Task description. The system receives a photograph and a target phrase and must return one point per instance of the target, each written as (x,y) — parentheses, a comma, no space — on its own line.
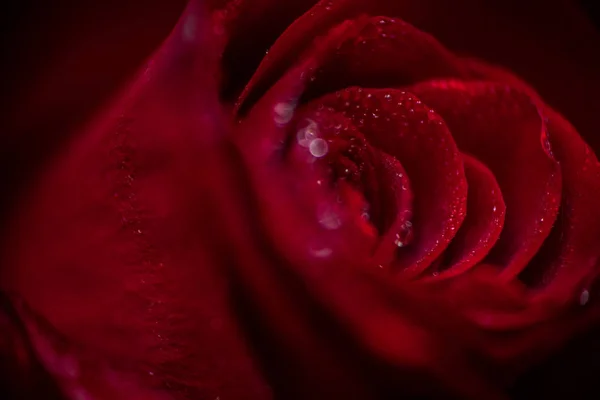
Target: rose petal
(570,250)
(399,124)
(81,373)
(488,120)
(380,178)
(571,255)
(397,196)
(385,52)
(21,373)
(104,248)
(327,145)
(265,151)
(482,225)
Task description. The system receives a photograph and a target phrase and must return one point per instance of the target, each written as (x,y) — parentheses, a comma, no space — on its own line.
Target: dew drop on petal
(398,242)
(283,113)
(307,133)
(584,297)
(318,147)
(322,252)
(329,219)
(546,144)
(405,235)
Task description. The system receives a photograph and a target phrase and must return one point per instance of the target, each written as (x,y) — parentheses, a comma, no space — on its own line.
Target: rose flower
(356,213)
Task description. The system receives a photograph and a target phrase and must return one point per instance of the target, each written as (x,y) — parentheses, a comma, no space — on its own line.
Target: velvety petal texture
(304,200)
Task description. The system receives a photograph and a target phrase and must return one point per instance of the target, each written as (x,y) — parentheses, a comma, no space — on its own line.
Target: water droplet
(584,297)
(398,242)
(330,220)
(283,113)
(306,135)
(405,235)
(365,215)
(322,253)
(546,143)
(318,147)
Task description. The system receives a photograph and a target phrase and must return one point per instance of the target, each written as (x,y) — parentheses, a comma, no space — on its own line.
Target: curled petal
(399,124)
(488,120)
(570,259)
(482,225)
(570,251)
(398,192)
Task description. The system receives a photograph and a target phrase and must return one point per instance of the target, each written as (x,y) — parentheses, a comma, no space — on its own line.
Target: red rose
(359,213)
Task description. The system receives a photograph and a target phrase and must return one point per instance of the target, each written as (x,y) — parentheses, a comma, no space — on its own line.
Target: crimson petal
(482,226)
(397,191)
(21,373)
(486,120)
(572,258)
(380,177)
(102,248)
(387,52)
(570,250)
(399,124)
(340,330)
